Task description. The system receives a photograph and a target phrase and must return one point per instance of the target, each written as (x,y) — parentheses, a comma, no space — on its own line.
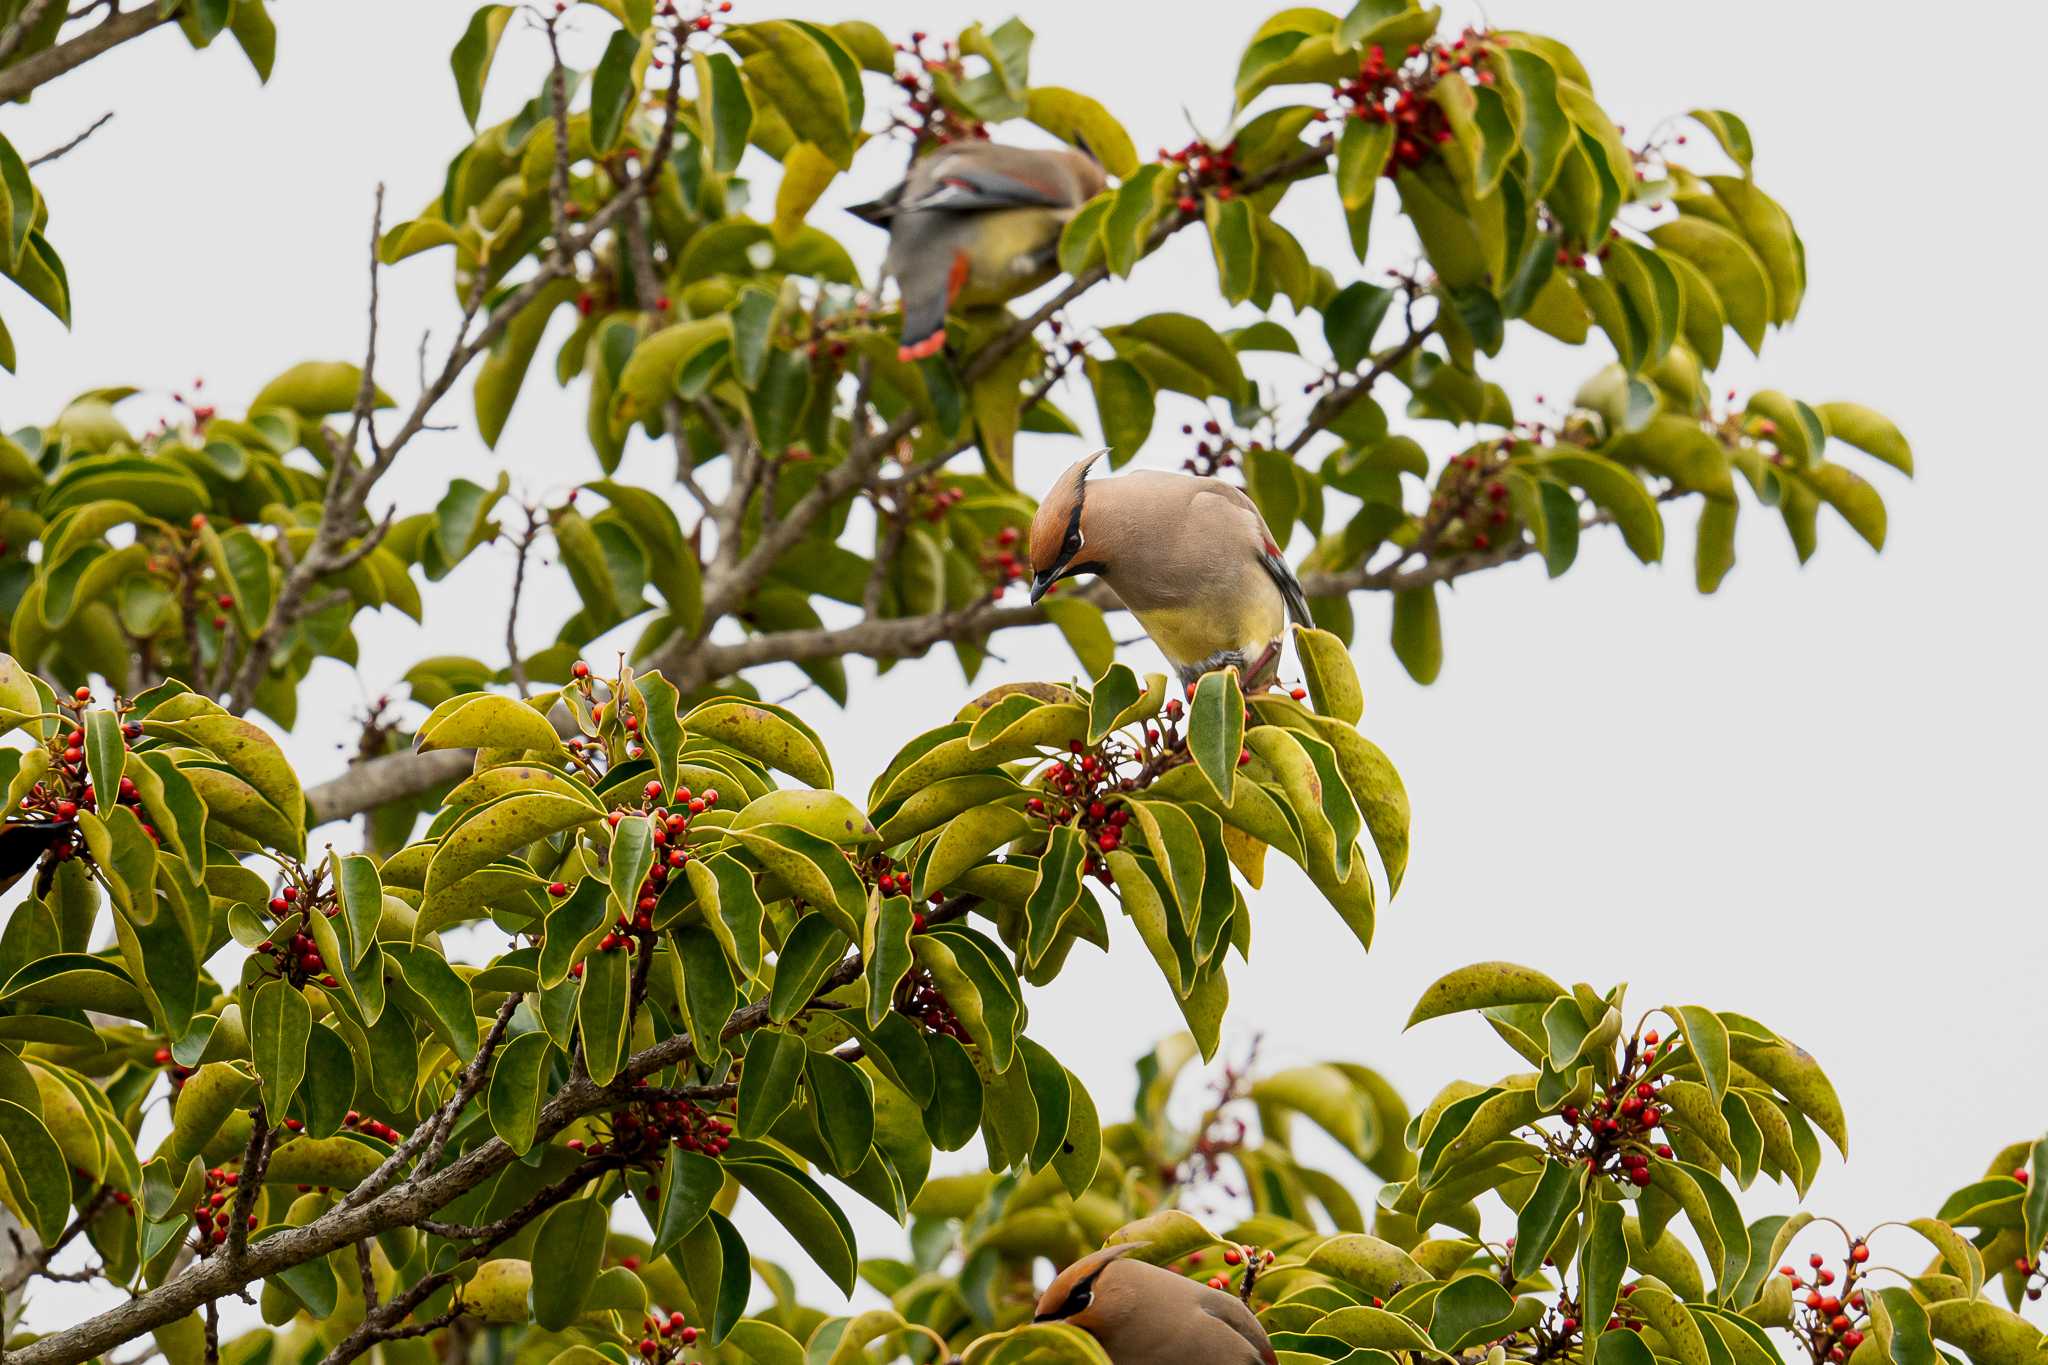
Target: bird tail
(1290,587)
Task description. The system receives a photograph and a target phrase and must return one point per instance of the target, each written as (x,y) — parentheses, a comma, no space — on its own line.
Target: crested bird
(1190,557)
(973,224)
(1145,1315)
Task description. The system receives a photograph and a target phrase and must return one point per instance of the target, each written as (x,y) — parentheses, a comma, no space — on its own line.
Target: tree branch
(47,157)
(406,1204)
(45,66)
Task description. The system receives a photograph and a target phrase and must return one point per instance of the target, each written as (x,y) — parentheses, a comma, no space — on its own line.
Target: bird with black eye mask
(1147,1315)
(1190,557)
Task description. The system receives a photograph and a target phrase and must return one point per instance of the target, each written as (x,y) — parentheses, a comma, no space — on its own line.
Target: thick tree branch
(43,67)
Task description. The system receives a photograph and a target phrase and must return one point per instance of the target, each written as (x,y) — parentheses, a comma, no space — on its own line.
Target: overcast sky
(1814,798)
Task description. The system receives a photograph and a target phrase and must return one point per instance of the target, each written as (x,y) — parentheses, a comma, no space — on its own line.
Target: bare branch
(55,152)
(522,547)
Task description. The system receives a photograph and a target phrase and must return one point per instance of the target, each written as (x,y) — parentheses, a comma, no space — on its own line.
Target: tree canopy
(698,978)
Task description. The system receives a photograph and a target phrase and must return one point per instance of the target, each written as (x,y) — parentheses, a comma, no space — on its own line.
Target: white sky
(1811,798)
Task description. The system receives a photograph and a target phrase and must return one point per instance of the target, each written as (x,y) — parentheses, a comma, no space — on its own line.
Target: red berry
(1859,1253)
(1232,1256)
(2019,1173)
(1852,1339)
(558,888)
(690,1333)
(1816,1260)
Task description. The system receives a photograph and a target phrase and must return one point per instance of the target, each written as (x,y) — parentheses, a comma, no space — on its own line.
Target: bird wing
(1229,1310)
(1270,559)
(966,187)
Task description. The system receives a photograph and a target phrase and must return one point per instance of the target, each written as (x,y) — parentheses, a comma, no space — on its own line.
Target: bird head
(1071,1295)
(1057,533)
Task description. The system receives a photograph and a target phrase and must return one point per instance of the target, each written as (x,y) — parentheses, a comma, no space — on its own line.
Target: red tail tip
(919,350)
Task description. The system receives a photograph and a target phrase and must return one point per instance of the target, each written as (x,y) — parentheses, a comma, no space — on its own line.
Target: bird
(974,224)
(1190,557)
(1145,1315)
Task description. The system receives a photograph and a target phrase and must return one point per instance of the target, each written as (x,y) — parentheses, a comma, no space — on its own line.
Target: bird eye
(1078,1300)
(1072,544)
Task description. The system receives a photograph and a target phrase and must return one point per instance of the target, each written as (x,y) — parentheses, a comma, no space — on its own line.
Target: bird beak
(1041,581)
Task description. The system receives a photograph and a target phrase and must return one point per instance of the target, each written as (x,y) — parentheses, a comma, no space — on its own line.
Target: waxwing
(1190,557)
(1145,1315)
(974,224)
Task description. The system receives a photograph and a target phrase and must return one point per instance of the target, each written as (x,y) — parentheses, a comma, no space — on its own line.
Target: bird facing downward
(1190,557)
(1144,1315)
(973,224)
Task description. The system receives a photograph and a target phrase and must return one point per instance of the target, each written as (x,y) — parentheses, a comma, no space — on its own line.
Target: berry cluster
(929,120)
(641,1133)
(1252,1259)
(211,1216)
(370,1127)
(920,998)
(666,1336)
(1616,1134)
(1076,788)
(1216,451)
(881,870)
(1203,169)
(1829,1323)
(69,790)
(932,503)
(297,958)
(1398,93)
(999,560)
(1469,509)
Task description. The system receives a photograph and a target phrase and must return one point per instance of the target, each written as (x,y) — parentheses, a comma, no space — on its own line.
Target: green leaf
(1085,631)
(1869,431)
(1730,266)
(471,58)
(797,1202)
(601,1012)
(1603,1256)
(842,1110)
(1082,121)
(1125,405)
(1234,244)
(1351,319)
(279,1022)
(574,1235)
(1542,1219)
(1180,352)
(1904,1328)
(37,1174)
(518,1082)
(812,949)
(1376,1266)
(612,90)
(690,1181)
(1216,730)
(361,893)
(803,72)
(1418,633)
(774,1062)
(723,109)
(445,1000)
(885,953)
(1055,893)
(771,734)
(1484,985)
(330,1085)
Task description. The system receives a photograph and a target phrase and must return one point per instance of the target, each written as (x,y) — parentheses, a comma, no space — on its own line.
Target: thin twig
(521,547)
(47,157)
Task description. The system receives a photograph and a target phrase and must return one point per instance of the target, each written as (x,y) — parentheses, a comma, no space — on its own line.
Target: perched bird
(1190,557)
(1144,1315)
(973,224)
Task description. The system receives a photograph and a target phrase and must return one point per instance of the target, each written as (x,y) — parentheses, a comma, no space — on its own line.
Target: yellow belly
(1188,635)
(1010,254)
